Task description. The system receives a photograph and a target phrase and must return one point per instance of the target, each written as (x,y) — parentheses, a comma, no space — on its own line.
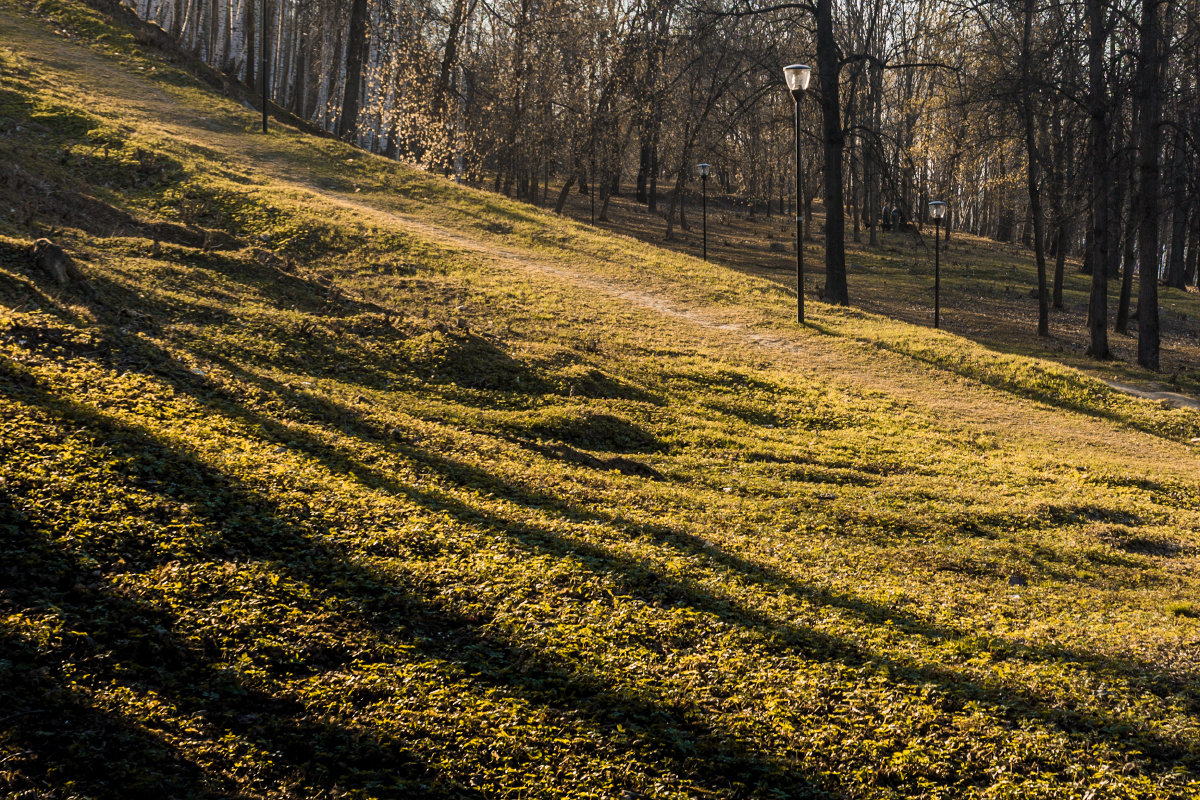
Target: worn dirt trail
(1171,398)
(954,401)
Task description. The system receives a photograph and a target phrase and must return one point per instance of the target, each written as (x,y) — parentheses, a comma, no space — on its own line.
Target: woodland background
(1069,126)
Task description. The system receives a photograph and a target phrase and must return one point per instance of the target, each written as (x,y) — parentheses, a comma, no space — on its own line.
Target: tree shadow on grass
(55,744)
(650,584)
(251,527)
(336,336)
(62,743)
(639,580)
(356,422)
(643,581)
(1181,430)
(456,471)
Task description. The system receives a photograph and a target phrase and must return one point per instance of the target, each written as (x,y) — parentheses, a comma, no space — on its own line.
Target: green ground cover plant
(339,480)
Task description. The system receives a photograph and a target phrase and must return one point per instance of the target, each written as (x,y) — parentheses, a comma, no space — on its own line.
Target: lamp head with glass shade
(937,209)
(797,77)
(704,170)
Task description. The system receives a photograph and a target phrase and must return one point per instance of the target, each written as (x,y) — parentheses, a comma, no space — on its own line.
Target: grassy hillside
(988,291)
(988,288)
(328,478)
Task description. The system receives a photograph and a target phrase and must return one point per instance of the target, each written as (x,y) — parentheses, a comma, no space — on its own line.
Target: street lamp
(937,210)
(797,77)
(704,170)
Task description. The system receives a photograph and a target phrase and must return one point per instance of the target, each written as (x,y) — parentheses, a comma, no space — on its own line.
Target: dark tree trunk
(603,184)
(355,45)
(652,204)
(1129,261)
(1033,176)
(1124,239)
(1007,223)
(1060,264)
(447,90)
(1062,231)
(1193,251)
(1179,214)
(299,76)
(1089,246)
(561,202)
(250,15)
(875,182)
(1101,173)
(643,175)
(834,139)
(1149,99)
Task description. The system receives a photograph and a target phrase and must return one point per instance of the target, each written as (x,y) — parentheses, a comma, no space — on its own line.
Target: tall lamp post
(592,188)
(937,210)
(797,77)
(704,170)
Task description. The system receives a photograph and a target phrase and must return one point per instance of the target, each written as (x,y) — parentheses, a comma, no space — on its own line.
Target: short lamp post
(797,77)
(937,210)
(704,170)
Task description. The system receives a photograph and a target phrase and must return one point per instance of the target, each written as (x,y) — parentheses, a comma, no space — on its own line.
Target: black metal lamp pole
(937,273)
(937,210)
(704,170)
(799,215)
(797,77)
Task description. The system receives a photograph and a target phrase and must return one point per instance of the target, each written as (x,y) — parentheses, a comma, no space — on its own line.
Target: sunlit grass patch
(338,503)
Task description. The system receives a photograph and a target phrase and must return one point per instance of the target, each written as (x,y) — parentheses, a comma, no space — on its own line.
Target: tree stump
(54,261)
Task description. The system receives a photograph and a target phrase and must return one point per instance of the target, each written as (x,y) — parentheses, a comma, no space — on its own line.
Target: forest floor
(330,478)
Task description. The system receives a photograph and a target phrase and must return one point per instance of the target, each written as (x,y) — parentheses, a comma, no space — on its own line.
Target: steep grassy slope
(338,480)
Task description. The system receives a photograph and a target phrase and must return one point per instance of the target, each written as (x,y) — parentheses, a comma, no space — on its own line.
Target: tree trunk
(652,205)
(1101,173)
(643,174)
(1123,234)
(1149,99)
(249,15)
(447,89)
(300,73)
(852,162)
(676,203)
(1062,228)
(875,183)
(1089,245)
(833,138)
(355,44)
(1033,176)
(1193,252)
(1179,214)
(1060,263)
(561,202)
